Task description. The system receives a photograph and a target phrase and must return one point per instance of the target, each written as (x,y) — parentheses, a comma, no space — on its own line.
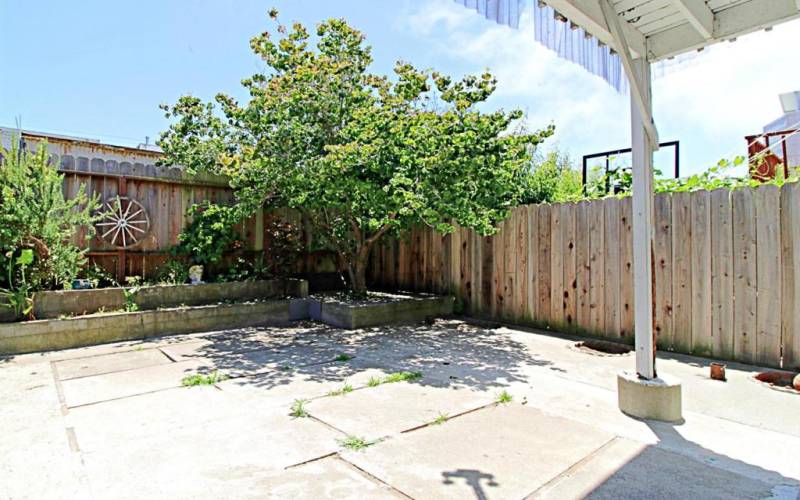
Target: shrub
(34,215)
(209,235)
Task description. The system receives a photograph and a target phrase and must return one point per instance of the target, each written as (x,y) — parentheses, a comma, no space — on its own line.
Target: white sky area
(709,103)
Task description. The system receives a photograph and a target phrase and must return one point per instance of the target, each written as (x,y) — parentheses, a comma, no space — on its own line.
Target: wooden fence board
(532,270)
(626,269)
(613,316)
(744,277)
(721,274)
(681,272)
(569,252)
(662,265)
(768,275)
(543,308)
(583,266)
(556,267)
(701,273)
(597,288)
(790,239)
(521,282)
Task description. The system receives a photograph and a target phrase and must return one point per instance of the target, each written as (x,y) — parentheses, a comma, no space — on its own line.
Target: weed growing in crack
(355,443)
(343,357)
(203,379)
(442,418)
(298,409)
(504,397)
(341,392)
(373,382)
(402,377)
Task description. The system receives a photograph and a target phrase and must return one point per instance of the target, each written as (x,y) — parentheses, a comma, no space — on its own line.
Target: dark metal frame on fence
(608,154)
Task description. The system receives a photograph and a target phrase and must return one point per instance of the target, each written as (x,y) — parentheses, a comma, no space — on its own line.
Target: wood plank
(532,269)
(721,274)
(569,252)
(498,271)
(597,287)
(556,268)
(520,273)
(662,265)
(583,266)
(744,275)
(627,297)
(768,275)
(790,239)
(509,265)
(701,273)
(486,258)
(612,245)
(543,307)
(682,272)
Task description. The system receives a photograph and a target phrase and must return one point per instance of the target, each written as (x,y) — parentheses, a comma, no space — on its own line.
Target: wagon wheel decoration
(124,222)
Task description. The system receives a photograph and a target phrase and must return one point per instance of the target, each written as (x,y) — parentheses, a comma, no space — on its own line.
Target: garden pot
(196,274)
(718,371)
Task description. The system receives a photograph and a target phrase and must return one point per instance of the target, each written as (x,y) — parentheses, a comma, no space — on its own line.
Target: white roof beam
(588,15)
(729,23)
(699,16)
(639,93)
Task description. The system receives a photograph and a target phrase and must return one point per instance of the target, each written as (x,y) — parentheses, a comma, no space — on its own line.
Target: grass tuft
(298,409)
(442,418)
(373,382)
(355,443)
(343,357)
(402,377)
(341,392)
(504,397)
(203,379)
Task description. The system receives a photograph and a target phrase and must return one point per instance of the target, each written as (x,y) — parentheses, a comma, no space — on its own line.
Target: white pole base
(653,399)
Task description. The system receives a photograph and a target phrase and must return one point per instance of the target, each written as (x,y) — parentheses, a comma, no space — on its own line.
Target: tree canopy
(361,154)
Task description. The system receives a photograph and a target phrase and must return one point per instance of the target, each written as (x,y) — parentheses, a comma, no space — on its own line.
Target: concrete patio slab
(220,458)
(329,478)
(107,363)
(507,451)
(375,412)
(109,386)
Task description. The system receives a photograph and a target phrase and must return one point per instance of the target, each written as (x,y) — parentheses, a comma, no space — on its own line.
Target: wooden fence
(725,280)
(165,194)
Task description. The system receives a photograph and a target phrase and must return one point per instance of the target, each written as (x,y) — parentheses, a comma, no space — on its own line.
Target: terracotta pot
(718,371)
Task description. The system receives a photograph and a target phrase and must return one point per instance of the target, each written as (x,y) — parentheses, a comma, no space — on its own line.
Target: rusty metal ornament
(124,223)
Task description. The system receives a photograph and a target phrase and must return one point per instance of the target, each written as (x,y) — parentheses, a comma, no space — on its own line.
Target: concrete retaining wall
(53,334)
(344,315)
(48,305)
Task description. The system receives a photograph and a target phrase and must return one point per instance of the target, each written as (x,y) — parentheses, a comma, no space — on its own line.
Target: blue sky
(100,69)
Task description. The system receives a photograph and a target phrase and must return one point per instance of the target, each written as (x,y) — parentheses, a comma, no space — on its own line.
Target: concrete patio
(113,421)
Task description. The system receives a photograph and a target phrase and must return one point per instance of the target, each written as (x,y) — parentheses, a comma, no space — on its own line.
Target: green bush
(34,215)
(552,179)
(209,235)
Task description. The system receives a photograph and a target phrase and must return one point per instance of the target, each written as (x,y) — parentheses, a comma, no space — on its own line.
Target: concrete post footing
(654,399)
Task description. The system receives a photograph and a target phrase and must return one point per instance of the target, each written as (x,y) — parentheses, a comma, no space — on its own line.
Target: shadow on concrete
(447,352)
(679,468)
(473,479)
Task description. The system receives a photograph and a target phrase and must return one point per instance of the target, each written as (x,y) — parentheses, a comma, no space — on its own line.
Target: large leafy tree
(361,155)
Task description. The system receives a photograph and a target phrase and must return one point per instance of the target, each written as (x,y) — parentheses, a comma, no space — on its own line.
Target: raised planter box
(48,305)
(382,309)
(52,334)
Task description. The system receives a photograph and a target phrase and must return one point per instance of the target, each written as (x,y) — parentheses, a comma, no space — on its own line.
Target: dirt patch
(778,380)
(603,347)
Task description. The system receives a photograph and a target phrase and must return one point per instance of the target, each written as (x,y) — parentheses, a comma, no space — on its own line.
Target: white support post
(643,223)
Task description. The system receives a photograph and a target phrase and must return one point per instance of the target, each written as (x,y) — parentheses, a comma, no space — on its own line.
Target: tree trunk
(359,277)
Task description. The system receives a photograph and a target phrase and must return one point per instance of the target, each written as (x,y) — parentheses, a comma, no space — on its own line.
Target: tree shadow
(447,352)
